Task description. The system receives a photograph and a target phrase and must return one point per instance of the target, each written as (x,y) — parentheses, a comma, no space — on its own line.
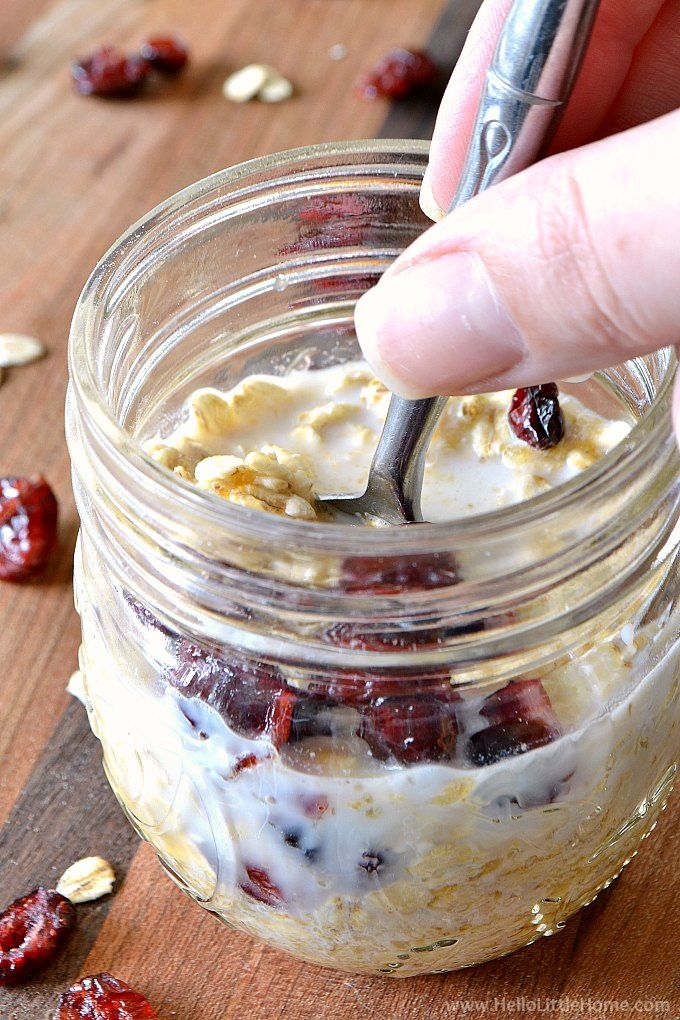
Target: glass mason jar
(389,751)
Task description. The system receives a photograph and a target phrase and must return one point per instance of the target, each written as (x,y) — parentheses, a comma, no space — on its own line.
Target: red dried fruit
(280,717)
(330,221)
(520,719)
(399,73)
(385,575)
(103,997)
(166,53)
(535,416)
(314,805)
(32,931)
(410,730)
(248,761)
(109,72)
(260,887)
(28,527)
(249,694)
(358,687)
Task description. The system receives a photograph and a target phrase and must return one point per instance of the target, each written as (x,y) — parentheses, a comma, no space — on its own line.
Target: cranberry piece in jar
(520,717)
(334,221)
(385,575)
(399,73)
(165,53)
(357,687)
(28,527)
(535,416)
(103,997)
(410,730)
(32,931)
(251,695)
(258,885)
(110,73)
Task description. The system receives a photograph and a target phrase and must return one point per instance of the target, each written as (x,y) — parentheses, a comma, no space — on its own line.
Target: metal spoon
(532,73)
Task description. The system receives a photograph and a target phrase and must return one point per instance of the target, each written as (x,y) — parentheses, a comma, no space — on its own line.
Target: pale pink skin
(570,266)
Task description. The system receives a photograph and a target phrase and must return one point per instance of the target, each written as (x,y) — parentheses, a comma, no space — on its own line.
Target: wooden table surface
(74,173)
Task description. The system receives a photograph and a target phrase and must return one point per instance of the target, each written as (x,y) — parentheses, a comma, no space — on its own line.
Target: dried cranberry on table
(520,718)
(399,73)
(103,997)
(165,53)
(32,931)
(535,416)
(110,73)
(28,527)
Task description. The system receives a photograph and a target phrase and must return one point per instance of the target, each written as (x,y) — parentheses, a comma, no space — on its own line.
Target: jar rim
(610,471)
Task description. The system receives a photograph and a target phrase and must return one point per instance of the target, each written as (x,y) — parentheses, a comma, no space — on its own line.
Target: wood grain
(73,174)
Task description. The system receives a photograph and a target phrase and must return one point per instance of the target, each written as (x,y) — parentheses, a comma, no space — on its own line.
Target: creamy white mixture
(325,426)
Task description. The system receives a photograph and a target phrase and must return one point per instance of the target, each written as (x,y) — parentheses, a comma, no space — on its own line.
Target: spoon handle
(531,76)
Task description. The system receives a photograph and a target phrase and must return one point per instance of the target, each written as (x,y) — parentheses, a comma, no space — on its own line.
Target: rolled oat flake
(19,349)
(86,880)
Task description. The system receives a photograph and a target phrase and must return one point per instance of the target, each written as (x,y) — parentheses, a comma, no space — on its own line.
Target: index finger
(619,27)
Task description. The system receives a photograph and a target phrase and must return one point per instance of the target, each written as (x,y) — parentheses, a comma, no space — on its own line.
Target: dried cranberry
(248,761)
(260,887)
(102,997)
(314,805)
(166,53)
(330,221)
(28,527)
(384,575)
(410,729)
(109,72)
(520,719)
(32,931)
(358,687)
(535,416)
(250,695)
(399,73)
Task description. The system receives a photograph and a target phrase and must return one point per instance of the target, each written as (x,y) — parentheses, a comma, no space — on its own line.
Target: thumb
(571,266)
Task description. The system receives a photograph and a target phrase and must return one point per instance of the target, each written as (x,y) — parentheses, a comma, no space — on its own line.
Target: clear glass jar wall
(385,751)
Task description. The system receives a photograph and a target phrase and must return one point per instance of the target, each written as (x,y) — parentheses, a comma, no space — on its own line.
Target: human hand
(570,266)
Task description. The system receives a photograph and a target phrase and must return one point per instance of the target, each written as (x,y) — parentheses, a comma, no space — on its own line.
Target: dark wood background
(73,174)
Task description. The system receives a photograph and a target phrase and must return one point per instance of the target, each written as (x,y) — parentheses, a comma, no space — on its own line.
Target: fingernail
(437,327)
(427,200)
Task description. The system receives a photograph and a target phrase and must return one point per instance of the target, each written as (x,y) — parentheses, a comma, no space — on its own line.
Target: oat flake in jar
(390,751)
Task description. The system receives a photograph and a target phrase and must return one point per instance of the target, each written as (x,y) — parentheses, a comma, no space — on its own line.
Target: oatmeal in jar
(293,804)
(386,750)
(273,442)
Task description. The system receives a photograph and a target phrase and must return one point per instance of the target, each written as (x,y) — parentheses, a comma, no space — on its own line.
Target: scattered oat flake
(276,90)
(19,349)
(246,84)
(86,880)
(257,81)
